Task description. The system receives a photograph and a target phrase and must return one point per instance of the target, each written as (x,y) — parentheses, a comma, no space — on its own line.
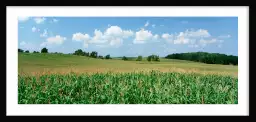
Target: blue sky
(129,36)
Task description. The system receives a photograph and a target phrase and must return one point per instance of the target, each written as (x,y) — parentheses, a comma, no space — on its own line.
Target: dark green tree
(44,50)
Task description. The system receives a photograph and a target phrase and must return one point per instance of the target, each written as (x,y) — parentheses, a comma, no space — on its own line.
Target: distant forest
(204,57)
(209,58)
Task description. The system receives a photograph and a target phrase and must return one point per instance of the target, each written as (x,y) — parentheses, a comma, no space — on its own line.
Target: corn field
(128,88)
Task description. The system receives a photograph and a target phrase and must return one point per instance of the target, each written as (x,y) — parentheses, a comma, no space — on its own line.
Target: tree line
(149,58)
(209,58)
(44,50)
(204,57)
(93,54)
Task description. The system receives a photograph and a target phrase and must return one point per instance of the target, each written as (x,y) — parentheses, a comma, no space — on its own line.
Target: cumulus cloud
(146,24)
(44,34)
(181,39)
(156,37)
(39,20)
(113,36)
(186,37)
(142,36)
(127,33)
(116,42)
(80,37)
(168,37)
(22,43)
(54,21)
(198,33)
(114,31)
(34,29)
(99,37)
(56,40)
(23,18)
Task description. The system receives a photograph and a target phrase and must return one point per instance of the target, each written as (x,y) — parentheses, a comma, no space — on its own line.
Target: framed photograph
(125,61)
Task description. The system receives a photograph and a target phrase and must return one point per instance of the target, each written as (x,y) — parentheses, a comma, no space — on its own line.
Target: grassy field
(69,79)
(60,63)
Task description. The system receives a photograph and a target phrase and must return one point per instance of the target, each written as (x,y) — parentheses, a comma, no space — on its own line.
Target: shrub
(107,57)
(139,58)
(124,58)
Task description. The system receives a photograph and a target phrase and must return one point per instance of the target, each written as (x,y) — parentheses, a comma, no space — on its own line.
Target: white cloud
(146,24)
(168,37)
(189,36)
(127,33)
(109,25)
(142,36)
(113,36)
(153,26)
(55,20)
(80,37)
(116,42)
(45,34)
(225,36)
(181,39)
(114,31)
(23,18)
(98,37)
(22,43)
(198,33)
(39,20)
(117,32)
(138,42)
(156,37)
(57,40)
(34,29)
